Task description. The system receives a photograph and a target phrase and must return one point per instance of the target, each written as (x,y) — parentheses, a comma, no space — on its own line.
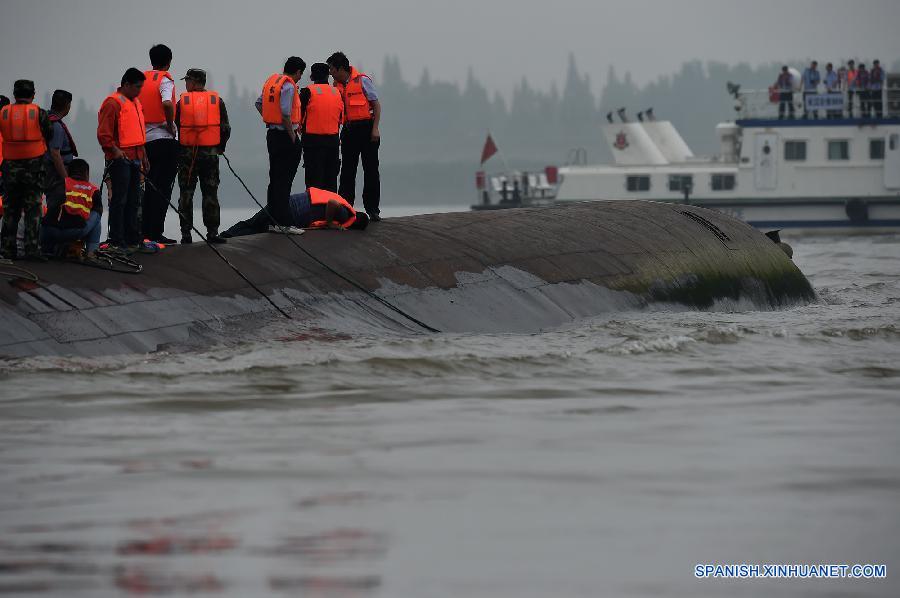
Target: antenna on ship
(609,117)
(621,113)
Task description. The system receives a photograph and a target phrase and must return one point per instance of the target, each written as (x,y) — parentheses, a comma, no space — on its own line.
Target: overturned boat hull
(518,270)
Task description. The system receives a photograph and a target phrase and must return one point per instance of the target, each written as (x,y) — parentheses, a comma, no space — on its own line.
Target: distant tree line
(440,122)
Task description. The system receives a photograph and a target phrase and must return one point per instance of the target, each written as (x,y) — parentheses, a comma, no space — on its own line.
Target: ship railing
(518,186)
(766,104)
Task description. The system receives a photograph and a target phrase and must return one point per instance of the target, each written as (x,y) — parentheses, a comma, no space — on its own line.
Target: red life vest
(324,111)
(1,174)
(321,197)
(356,105)
(131,131)
(55,118)
(20,130)
(150,98)
(200,118)
(271,99)
(79,198)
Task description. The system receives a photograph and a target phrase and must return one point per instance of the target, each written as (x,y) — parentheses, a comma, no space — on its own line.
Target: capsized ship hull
(518,270)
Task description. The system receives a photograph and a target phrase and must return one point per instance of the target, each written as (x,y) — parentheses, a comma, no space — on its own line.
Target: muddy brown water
(605,458)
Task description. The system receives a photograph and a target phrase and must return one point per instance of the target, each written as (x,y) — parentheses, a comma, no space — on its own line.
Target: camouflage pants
(199,164)
(24,182)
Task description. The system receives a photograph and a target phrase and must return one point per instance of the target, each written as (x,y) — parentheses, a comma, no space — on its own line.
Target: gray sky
(85,45)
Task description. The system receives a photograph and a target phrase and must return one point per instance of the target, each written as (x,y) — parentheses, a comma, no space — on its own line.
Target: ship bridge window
(839,149)
(722,182)
(680,182)
(876,149)
(795,151)
(637,183)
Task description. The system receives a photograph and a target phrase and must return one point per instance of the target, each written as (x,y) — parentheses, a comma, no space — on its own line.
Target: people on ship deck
(810,82)
(785,86)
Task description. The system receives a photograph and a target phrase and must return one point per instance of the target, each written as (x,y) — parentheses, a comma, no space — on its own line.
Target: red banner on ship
(490,148)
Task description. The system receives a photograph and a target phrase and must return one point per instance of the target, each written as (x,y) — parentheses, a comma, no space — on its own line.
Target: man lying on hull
(314,208)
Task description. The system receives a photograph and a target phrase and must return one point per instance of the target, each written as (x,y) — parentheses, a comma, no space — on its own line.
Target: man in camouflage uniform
(200,162)
(24,185)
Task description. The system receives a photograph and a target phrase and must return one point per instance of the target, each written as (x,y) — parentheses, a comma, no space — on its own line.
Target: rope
(343,277)
(16,271)
(223,258)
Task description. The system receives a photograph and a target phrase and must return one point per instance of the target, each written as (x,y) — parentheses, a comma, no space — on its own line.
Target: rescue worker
(4,101)
(158,102)
(862,90)
(360,137)
(810,82)
(850,84)
(322,110)
(61,148)
(279,106)
(120,131)
(203,131)
(314,208)
(77,218)
(832,86)
(785,86)
(320,208)
(876,84)
(25,129)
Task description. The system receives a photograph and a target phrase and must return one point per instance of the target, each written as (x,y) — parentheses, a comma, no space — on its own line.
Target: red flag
(490,148)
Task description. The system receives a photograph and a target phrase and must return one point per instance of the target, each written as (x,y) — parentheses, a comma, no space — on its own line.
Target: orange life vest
(356,105)
(1,174)
(324,111)
(200,118)
(150,98)
(20,129)
(321,197)
(79,198)
(131,122)
(271,98)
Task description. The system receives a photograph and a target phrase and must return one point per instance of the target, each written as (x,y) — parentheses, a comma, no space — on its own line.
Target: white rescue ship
(832,173)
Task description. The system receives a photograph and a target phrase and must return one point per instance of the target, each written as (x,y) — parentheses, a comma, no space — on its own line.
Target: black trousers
(321,165)
(284,159)
(876,102)
(124,202)
(356,144)
(785,99)
(163,157)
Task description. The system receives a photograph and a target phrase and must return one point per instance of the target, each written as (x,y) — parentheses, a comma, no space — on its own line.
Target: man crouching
(77,217)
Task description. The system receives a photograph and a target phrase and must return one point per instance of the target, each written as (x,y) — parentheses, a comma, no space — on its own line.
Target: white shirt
(167,94)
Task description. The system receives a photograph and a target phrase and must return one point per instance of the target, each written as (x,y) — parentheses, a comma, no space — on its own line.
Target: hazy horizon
(501,43)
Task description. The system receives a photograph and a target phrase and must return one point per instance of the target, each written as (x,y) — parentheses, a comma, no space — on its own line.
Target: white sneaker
(286,230)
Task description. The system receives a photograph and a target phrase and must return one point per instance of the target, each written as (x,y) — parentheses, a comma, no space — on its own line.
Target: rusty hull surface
(519,270)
